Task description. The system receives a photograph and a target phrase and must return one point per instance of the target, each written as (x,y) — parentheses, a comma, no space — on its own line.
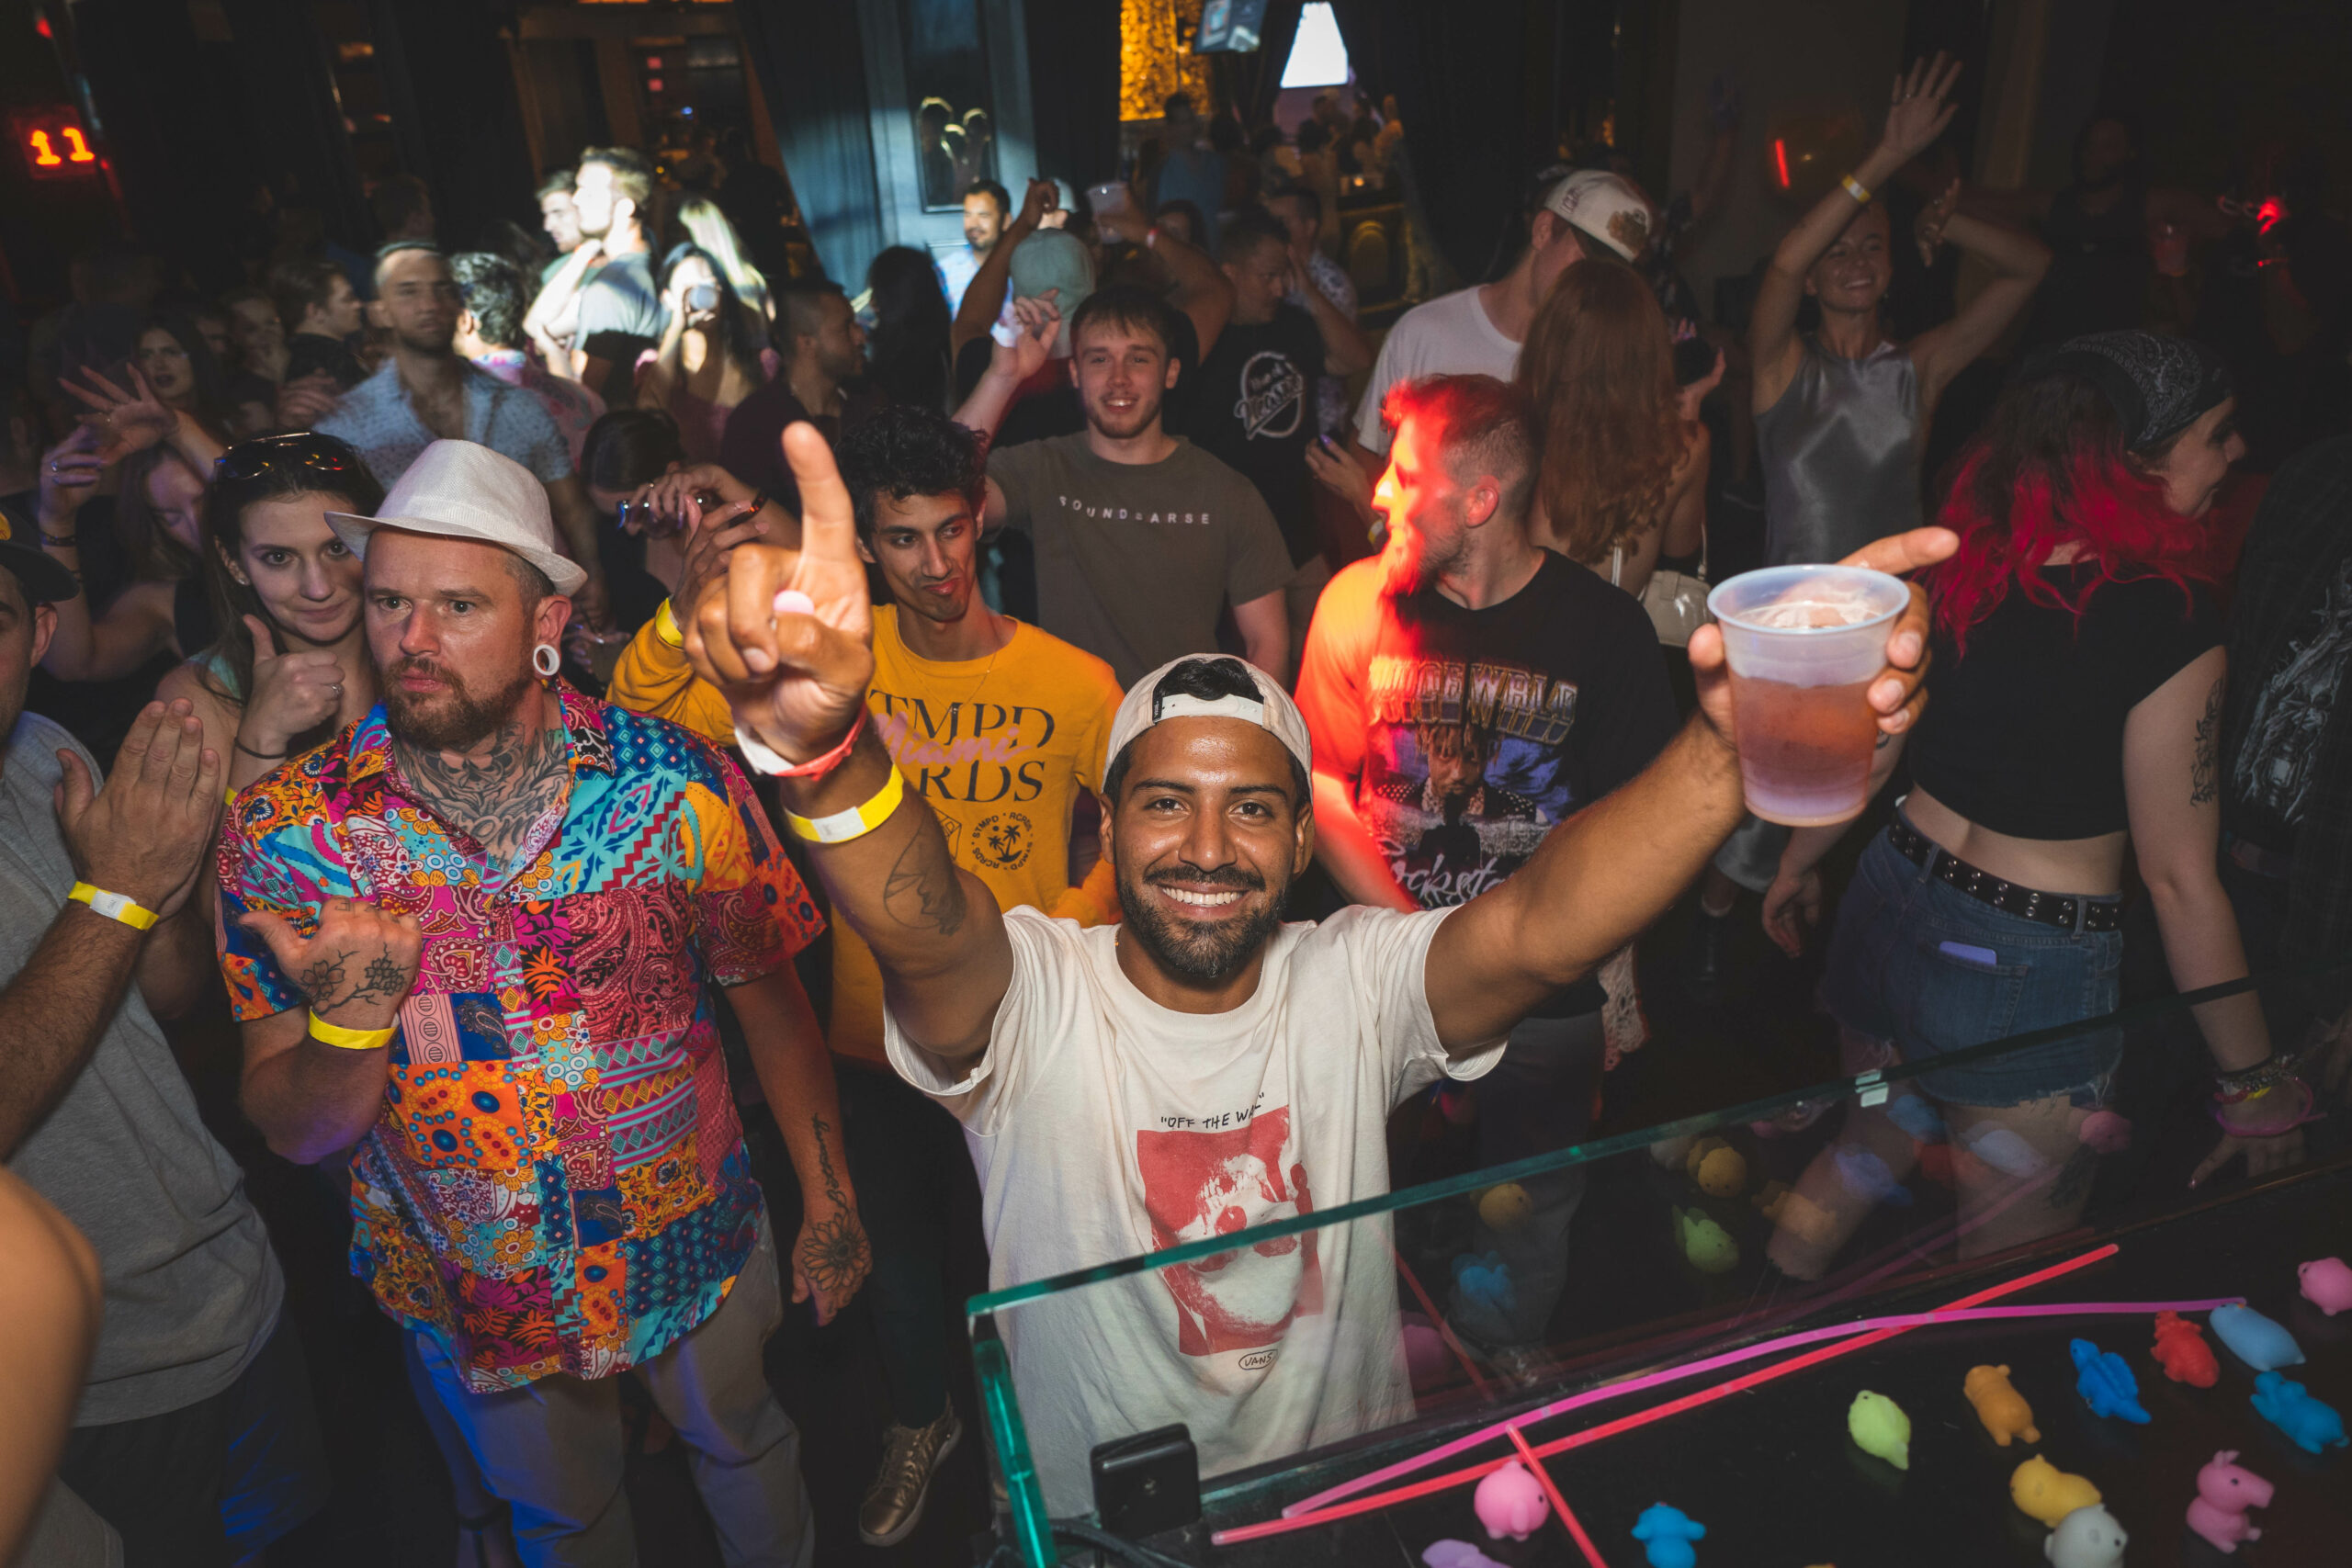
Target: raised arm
(1346,349)
(2019,262)
(1607,872)
(1914,119)
(796,680)
(556,296)
(1202,292)
(983,299)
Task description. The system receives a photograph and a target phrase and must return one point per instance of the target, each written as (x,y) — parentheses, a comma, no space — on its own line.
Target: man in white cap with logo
(1201,1066)
(475,936)
(1586,214)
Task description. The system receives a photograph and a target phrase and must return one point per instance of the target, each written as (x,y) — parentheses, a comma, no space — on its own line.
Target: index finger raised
(1899,553)
(828,527)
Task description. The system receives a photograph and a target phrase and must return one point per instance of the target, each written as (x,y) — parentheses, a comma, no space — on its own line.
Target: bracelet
(115,906)
(759,501)
(344,1038)
(858,820)
(2288,1119)
(259,756)
(1856,189)
(54,543)
(666,628)
(2251,1083)
(767,759)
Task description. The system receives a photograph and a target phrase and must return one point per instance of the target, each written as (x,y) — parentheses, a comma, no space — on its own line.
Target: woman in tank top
(2072,715)
(289,666)
(1841,412)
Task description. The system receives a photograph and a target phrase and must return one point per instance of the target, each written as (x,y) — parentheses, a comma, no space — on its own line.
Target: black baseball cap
(46,583)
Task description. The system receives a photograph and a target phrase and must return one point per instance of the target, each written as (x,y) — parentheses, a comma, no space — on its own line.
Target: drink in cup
(1804,643)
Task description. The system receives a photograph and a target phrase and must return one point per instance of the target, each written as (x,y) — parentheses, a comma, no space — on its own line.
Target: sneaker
(911,1456)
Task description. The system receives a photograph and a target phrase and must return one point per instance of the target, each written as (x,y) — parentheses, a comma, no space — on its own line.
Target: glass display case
(1685,1313)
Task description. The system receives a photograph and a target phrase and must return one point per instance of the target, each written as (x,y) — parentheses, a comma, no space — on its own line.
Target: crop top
(2024,736)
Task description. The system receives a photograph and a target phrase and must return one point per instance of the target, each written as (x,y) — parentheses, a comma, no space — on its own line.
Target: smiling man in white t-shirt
(1202,1067)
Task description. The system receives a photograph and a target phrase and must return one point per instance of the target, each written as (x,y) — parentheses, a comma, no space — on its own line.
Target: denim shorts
(1921,965)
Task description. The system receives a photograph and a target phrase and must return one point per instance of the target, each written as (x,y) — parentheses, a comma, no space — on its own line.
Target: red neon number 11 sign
(52,143)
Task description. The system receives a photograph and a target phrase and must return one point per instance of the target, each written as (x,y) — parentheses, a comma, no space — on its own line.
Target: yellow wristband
(858,820)
(666,628)
(1856,189)
(327,1034)
(115,906)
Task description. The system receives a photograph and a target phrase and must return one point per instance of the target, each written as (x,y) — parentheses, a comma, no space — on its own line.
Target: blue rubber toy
(2255,1339)
(2106,1384)
(1867,1176)
(1486,1281)
(1665,1535)
(2308,1424)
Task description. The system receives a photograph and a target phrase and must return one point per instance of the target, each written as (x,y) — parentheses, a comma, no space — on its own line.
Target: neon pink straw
(1731,1358)
(1569,1520)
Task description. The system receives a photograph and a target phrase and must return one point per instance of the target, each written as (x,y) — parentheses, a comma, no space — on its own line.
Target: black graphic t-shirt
(1470,734)
(1253,409)
(2277,766)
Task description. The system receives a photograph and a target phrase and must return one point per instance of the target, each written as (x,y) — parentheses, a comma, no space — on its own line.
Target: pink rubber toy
(2327,1284)
(2224,1492)
(1511,1503)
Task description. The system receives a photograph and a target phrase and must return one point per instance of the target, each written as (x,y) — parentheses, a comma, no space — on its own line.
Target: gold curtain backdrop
(1156,56)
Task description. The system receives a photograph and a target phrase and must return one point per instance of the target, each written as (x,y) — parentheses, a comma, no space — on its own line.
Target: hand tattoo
(923,891)
(2204,781)
(322,979)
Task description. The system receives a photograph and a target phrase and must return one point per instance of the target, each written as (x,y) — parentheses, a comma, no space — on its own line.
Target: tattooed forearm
(833,1253)
(2204,780)
(923,891)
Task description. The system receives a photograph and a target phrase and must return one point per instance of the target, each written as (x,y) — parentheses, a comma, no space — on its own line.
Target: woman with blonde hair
(712,234)
(1622,479)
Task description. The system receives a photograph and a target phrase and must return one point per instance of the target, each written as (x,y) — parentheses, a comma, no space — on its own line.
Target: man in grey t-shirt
(194,1437)
(1141,538)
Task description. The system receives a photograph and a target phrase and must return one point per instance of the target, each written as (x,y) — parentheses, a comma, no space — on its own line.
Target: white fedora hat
(468,492)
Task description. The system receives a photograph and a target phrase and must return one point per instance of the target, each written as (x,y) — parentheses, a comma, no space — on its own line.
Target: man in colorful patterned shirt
(474,935)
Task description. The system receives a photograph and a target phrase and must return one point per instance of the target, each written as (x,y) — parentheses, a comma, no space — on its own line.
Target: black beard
(460,720)
(1205,957)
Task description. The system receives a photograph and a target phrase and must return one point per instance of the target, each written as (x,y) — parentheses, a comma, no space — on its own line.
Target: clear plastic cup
(1804,643)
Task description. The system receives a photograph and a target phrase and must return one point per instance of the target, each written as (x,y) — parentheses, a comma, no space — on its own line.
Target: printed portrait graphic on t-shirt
(1463,771)
(1273,395)
(1200,1183)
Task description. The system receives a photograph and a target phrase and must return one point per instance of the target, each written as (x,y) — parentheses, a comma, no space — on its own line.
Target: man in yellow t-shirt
(997,725)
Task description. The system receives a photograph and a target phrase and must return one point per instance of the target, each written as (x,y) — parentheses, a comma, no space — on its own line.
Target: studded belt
(2060,909)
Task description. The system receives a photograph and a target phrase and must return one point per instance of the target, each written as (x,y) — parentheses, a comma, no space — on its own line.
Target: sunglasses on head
(303,452)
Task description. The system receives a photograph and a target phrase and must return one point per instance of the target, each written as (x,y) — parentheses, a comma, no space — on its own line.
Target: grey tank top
(1841,453)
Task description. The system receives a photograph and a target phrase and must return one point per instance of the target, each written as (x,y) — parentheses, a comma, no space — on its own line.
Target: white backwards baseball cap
(1610,207)
(1271,710)
(464,491)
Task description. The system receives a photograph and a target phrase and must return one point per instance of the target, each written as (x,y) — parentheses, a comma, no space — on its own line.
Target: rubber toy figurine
(1916,1115)
(2007,1153)
(1509,1502)
(2311,1425)
(2047,1493)
(2000,1405)
(1670,1153)
(2327,1283)
(1456,1554)
(2105,1132)
(2255,1339)
(2224,1492)
(1720,1172)
(2087,1538)
(2106,1384)
(1879,1426)
(1486,1281)
(1707,1245)
(1665,1535)
(2182,1352)
(1505,1208)
(1866,1177)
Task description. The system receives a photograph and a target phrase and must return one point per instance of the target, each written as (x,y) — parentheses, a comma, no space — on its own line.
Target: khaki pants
(552,1450)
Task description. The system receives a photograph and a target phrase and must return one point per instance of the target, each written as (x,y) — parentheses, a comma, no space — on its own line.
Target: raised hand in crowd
(306,399)
(145,833)
(131,419)
(1038,321)
(292,693)
(1343,477)
(711,537)
(69,471)
(1928,229)
(675,500)
(1690,396)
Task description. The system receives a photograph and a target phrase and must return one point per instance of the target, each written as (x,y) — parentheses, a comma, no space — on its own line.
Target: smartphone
(702,297)
(1327,445)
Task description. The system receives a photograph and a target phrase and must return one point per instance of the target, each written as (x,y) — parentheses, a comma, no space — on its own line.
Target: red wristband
(818,767)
